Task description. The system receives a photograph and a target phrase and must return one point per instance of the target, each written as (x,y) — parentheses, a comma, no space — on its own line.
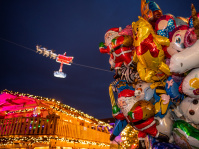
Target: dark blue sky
(74,26)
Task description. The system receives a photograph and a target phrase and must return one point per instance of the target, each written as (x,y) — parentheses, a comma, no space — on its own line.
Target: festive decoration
(195,20)
(164,122)
(23,111)
(120,125)
(178,40)
(129,137)
(63,59)
(162,101)
(126,31)
(119,47)
(60,107)
(189,109)
(140,114)
(164,25)
(122,85)
(129,75)
(165,125)
(150,11)
(29,140)
(45,52)
(143,91)
(190,85)
(149,53)
(156,94)
(185,135)
(181,21)
(107,46)
(161,83)
(181,62)
(36,112)
(46,122)
(172,89)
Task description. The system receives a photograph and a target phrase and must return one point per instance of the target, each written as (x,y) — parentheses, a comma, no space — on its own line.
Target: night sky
(72,26)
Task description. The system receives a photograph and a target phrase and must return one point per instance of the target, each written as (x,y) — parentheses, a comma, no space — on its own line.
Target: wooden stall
(28,121)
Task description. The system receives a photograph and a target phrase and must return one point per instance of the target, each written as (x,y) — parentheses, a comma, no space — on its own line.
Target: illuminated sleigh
(63,59)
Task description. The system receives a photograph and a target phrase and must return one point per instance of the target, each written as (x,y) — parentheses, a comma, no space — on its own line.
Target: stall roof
(13,101)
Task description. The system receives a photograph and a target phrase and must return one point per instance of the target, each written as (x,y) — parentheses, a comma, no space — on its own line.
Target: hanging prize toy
(63,59)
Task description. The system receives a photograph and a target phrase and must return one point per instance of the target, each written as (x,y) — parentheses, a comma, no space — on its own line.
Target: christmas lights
(22,111)
(58,107)
(31,140)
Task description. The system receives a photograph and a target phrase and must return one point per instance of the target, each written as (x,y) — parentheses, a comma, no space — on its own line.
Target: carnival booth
(28,121)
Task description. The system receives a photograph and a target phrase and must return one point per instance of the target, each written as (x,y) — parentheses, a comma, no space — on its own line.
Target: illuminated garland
(31,140)
(62,106)
(21,111)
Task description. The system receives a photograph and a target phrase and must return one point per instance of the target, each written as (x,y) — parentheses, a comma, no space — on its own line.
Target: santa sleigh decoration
(63,59)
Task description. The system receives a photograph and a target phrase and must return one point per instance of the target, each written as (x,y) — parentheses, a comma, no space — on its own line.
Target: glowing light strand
(32,140)
(61,107)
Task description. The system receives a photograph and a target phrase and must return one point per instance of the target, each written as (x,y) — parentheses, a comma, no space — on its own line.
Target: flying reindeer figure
(45,52)
(39,50)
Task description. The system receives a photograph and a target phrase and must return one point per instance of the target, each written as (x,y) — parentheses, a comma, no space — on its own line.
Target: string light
(60,107)
(11,140)
(22,111)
